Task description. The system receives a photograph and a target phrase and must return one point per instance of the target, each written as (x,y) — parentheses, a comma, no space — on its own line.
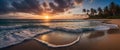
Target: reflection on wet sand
(61,39)
(110,42)
(58,39)
(96,34)
(88,41)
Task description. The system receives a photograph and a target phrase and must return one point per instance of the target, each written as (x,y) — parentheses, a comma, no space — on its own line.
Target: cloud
(34,6)
(20,15)
(60,5)
(3,6)
(45,4)
(77,2)
(31,6)
(28,6)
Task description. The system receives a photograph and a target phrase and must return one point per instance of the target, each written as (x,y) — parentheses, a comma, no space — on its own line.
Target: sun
(47,17)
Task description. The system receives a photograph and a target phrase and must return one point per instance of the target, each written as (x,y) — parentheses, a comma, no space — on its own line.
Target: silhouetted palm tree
(88,12)
(100,11)
(112,8)
(92,11)
(84,10)
(117,10)
(106,11)
(95,12)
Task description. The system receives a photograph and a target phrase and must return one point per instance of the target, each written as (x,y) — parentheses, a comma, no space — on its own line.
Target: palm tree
(112,8)
(100,11)
(95,11)
(106,11)
(88,12)
(92,11)
(117,10)
(84,10)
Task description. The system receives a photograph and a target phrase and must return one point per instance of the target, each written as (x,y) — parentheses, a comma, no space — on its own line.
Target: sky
(37,9)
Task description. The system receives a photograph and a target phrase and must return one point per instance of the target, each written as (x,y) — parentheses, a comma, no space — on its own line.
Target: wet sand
(95,41)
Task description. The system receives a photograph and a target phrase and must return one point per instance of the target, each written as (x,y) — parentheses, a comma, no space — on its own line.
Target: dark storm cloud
(62,5)
(52,5)
(3,6)
(44,4)
(31,6)
(56,8)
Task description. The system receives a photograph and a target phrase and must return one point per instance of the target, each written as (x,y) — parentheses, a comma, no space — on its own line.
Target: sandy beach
(96,41)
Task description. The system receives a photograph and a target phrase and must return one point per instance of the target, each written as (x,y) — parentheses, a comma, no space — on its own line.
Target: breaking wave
(10,35)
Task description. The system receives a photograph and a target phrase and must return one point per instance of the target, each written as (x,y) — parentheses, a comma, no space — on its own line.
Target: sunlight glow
(46,17)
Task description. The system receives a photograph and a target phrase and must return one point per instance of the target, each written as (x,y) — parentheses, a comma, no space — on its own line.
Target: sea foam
(10,35)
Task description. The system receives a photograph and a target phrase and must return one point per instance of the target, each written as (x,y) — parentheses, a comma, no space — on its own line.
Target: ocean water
(63,32)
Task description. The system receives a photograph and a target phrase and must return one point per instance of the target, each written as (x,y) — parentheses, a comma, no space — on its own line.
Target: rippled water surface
(54,34)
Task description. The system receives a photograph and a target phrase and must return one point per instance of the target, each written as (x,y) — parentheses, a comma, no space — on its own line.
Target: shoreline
(111,42)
